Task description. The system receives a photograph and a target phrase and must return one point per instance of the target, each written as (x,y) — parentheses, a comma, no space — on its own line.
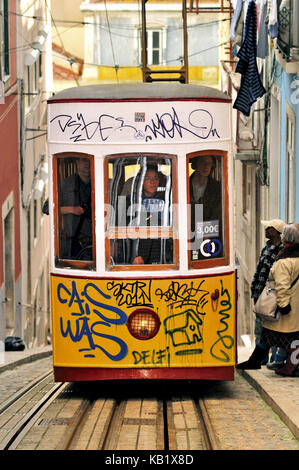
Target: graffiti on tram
(196,315)
(171,123)
(91,300)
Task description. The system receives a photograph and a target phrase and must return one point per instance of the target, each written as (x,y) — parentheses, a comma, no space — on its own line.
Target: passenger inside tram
(206,208)
(75,206)
(151,250)
(144,201)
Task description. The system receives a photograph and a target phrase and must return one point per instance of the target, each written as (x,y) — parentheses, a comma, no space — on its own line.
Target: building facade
(266,146)
(106,35)
(26,83)
(34,75)
(10,231)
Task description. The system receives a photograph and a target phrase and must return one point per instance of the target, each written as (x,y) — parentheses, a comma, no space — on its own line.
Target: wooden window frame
(150,47)
(61,262)
(141,232)
(161,29)
(211,262)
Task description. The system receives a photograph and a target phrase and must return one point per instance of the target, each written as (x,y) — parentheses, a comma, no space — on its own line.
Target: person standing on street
(273,231)
(285,273)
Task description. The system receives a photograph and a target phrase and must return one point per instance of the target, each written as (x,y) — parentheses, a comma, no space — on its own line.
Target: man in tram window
(206,206)
(75,206)
(152,210)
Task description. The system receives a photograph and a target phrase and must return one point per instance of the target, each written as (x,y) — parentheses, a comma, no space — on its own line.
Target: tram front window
(75,217)
(141,210)
(206,197)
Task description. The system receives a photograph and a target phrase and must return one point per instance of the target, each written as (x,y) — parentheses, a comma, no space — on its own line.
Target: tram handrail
(140,232)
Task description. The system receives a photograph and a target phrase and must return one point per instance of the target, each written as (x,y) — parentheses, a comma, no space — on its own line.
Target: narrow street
(198,415)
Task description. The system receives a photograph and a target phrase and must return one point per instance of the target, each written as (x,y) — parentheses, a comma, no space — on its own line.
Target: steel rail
(75,426)
(210,438)
(113,422)
(114,426)
(19,393)
(17,433)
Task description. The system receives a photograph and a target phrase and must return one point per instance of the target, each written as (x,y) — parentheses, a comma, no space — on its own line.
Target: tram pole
(186,63)
(143,42)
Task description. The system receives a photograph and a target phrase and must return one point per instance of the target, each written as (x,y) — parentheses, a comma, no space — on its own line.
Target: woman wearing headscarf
(285,272)
(283,333)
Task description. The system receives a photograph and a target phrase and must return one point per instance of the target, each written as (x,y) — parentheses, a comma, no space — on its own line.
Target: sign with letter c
(209,247)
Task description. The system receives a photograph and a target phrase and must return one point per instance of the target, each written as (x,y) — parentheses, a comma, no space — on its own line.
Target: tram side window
(206,198)
(141,210)
(75,211)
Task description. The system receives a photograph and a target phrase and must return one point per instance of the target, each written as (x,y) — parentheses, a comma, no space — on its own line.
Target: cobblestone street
(15,379)
(240,417)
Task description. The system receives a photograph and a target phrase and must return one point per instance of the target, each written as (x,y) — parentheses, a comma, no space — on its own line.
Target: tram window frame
(139,232)
(211,262)
(61,262)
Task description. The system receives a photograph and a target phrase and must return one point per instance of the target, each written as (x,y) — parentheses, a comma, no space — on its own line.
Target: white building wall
(35,85)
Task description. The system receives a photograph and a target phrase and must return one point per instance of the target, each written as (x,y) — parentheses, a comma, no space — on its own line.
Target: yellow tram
(143,283)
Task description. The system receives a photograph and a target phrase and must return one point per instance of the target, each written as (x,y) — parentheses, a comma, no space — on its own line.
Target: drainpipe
(21,137)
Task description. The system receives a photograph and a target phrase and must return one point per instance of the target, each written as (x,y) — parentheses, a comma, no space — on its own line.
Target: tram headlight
(143,323)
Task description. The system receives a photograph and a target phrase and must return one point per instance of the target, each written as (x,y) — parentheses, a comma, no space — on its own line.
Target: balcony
(287,43)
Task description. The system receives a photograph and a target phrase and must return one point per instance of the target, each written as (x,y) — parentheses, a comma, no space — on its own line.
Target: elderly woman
(285,272)
(285,332)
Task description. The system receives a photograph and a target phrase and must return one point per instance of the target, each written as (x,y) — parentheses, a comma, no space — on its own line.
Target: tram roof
(139,91)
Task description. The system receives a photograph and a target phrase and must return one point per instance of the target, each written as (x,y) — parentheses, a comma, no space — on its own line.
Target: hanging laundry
(245,8)
(273,22)
(257,14)
(262,43)
(251,85)
(235,18)
(239,27)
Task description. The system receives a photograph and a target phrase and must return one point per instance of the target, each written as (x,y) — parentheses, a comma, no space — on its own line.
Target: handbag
(266,304)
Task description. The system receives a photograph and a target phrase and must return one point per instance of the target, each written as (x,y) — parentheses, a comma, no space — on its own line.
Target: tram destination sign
(138,122)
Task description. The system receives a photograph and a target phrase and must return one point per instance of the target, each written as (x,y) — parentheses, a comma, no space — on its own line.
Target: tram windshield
(207,204)
(141,210)
(140,206)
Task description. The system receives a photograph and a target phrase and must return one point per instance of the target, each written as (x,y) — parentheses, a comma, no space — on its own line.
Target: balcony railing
(288,29)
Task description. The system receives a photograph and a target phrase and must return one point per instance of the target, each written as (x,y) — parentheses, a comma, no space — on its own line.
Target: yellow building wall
(207,74)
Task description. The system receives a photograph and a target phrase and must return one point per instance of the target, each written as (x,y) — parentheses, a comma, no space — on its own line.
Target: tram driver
(75,206)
